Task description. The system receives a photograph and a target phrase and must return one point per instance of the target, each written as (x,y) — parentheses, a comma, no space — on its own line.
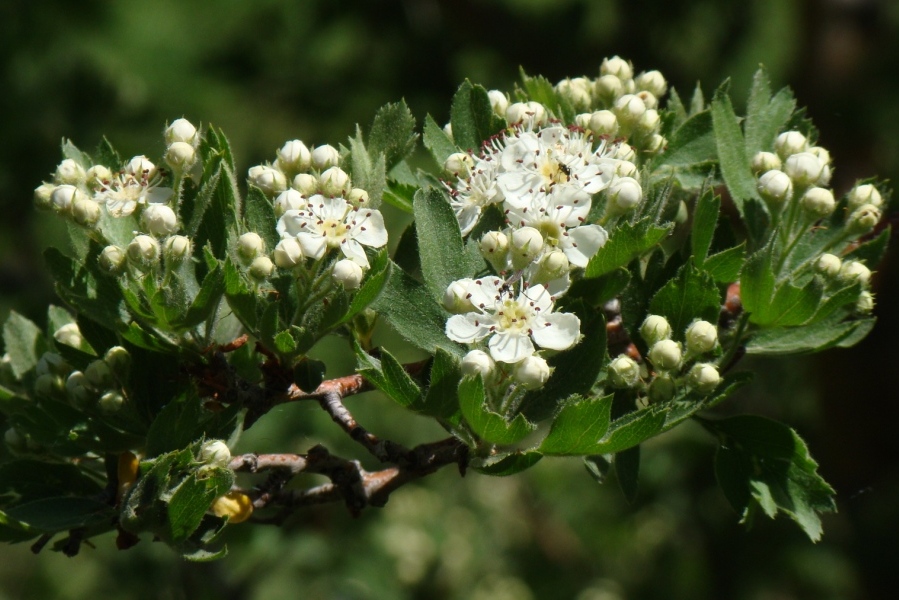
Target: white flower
(471,195)
(127,190)
(511,323)
(334,223)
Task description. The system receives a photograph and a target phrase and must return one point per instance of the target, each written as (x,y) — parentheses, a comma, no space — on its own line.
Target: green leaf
(488,425)
(508,464)
(697,100)
(392,133)
(598,466)
(693,143)
(184,420)
(206,302)
(285,344)
(627,471)
(389,376)
(442,399)
(24,480)
(437,142)
(691,295)
(24,343)
(260,217)
(810,338)
(792,305)
(192,499)
(757,283)
(61,513)
(764,464)
(872,251)
(371,286)
(631,430)
(705,218)
(724,267)
(578,426)
(732,157)
(574,371)
(765,116)
(471,117)
(440,244)
(240,297)
(400,196)
(409,308)
(628,241)
(368,172)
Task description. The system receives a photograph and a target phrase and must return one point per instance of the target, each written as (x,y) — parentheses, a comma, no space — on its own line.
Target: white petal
(556,331)
(159,195)
(538,298)
(332,208)
(370,229)
(467,328)
(313,244)
(290,223)
(120,208)
(510,347)
(353,251)
(484,291)
(582,243)
(468,217)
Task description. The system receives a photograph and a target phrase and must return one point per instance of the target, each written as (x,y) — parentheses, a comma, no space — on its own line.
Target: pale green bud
(455,299)
(160,220)
(288,253)
(177,248)
(77,390)
(648,98)
(69,334)
(701,337)
(532,372)
(526,245)
(119,361)
(532,113)
(180,156)
(347,274)
(14,440)
(499,102)
(112,259)
(804,169)
(261,268)
(649,123)
(479,362)
(334,182)
(289,199)
(828,265)
(864,194)
(665,355)
(250,245)
(111,402)
(143,251)
(655,328)
(626,168)
(822,154)
(43,196)
(306,184)
(625,194)
(704,378)
(655,143)
(577,91)
(358,197)
(325,157)
(662,388)
(86,212)
(64,196)
(865,303)
(789,143)
(776,187)
(270,180)
(47,385)
(181,130)
(69,172)
(818,202)
(494,247)
(294,157)
(853,270)
(622,151)
(624,372)
(459,164)
(629,108)
(215,453)
(863,219)
(618,67)
(652,82)
(552,265)
(603,123)
(763,162)
(607,88)
(98,376)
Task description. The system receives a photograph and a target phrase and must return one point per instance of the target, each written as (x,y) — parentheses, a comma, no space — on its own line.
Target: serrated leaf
(192,499)
(705,219)
(260,217)
(872,251)
(285,343)
(630,430)
(691,295)
(442,398)
(388,375)
(205,303)
(697,100)
(440,244)
(765,116)
(392,133)
(23,342)
(508,464)
(241,299)
(725,266)
(437,142)
(62,513)
(486,424)
(471,116)
(371,286)
(578,427)
(413,313)
(693,143)
(765,462)
(628,241)
(792,305)
(732,156)
(757,283)
(184,420)
(400,196)
(805,339)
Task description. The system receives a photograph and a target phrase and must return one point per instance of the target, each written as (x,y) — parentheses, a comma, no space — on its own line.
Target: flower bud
(459,164)
(235,506)
(517,113)
(582,120)
(864,194)
(69,334)
(334,182)
(577,91)
(47,386)
(552,265)
(118,360)
(288,253)
(629,108)
(358,197)
(448,130)
(665,355)
(98,174)
(250,245)
(325,157)
(662,388)
(604,123)
(704,378)
(111,402)
(648,98)
(14,440)
(143,251)
(479,362)
(655,143)
(289,199)
(701,337)
(160,220)
(77,390)
(648,123)
(624,372)
(270,181)
(181,130)
(141,167)
(180,156)
(456,298)
(863,219)
(43,195)
(789,143)
(626,168)
(177,248)
(86,212)
(822,153)
(306,184)
(261,268)
(818,202)
(495,248)
(499,102)
(804,169)
(294,157)
(763,162)
(828,265)
(625,194)
(98,376)
(52,363)
(608,88)
(865,303)
(616,66)
(652,82)
(526,113)
(69,172)
(64,196)
(215,453)
(824,178)
(654,329)
(853,270)
(347,274)
(775,187)
(532,372)
(112,259)
(526,245)
(622,151)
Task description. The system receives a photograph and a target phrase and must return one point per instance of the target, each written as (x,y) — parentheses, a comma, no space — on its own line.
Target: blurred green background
(267,71)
